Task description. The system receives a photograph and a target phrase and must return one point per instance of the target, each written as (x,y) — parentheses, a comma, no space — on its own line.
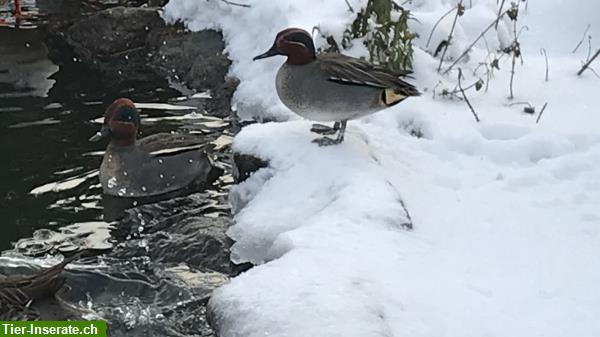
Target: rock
(133,44)
(197,57)
(113,32)
(244,191)
(245,165)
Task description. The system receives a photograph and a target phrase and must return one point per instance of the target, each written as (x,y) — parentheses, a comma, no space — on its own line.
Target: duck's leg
(342,130)
(326,141)
(324,129)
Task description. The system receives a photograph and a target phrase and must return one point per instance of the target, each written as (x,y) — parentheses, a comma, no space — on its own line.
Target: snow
(504,212)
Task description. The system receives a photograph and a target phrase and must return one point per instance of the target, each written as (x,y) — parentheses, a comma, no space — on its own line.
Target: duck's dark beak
(271,52)
(104,132)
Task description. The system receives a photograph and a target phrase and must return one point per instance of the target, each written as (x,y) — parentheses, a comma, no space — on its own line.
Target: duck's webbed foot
(324,129)
(326,141)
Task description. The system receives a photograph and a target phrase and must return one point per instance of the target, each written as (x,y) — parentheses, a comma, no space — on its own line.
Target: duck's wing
(353,71)
(166,144)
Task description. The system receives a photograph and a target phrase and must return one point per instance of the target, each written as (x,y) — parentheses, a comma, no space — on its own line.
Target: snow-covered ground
(506,216)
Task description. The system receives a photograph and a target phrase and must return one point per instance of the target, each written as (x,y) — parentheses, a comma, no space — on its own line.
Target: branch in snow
(541,112)
(349,6)
(437,23)
(465,96)
(474,42)
(529,109)
(543,52)
(236,4)
(515,47)
(499,11)
(587,64)
(460,10)
(582,38)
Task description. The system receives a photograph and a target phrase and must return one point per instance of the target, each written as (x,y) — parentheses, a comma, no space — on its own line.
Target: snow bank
(505,215)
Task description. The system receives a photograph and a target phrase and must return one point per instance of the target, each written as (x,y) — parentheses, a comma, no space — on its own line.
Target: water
(45,127)
(148,270)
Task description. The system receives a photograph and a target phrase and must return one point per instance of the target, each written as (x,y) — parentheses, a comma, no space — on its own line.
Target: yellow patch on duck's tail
(390,97)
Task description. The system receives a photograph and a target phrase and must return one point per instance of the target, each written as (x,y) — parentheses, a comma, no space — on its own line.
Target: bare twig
(530,109)
(593,71)
(543,52)
(515,48)
(236,4)
(457,89)
(512,71)
(512,77)
(465,96)
(499,11)
(587,64)
(541,113)
(436,24)
(488,73)
(435,87)
(582,38)
(459,12)
(473,44)
(349,6)
(520,103)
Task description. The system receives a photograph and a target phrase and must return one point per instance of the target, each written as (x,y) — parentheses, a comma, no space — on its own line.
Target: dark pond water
(45,116)
(151,270)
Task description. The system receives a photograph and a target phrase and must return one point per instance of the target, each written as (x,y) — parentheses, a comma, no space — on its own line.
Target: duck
(332,87)
(151,166)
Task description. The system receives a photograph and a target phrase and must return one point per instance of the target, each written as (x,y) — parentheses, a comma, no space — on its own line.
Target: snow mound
(504,212)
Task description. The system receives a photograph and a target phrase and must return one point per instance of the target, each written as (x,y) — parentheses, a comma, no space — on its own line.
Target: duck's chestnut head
(295,43)
(121,123)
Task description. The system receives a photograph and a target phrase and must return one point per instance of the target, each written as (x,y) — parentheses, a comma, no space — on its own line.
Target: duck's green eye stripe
(128,114)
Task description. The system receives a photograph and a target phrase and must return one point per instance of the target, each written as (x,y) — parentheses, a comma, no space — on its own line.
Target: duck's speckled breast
(132,172)
(306,91)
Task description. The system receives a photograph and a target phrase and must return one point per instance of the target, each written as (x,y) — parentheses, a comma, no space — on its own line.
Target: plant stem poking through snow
(473,43)
(236,4)
(515,47)
(499,11)
(588,63)
(582,38)
(460,10)
(436,24)
(543,52)
(349,6)
(541,112)
(465,96)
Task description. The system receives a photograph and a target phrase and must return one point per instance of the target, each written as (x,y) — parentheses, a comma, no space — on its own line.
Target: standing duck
(149,166)
(330,87)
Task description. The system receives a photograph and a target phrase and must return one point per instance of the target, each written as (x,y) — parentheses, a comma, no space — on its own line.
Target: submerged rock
(176,230)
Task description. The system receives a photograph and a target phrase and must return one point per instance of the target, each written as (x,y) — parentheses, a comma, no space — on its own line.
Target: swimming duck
(149,166)
(330,87)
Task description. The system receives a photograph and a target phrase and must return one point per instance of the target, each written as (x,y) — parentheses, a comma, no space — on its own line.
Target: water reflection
(24,66)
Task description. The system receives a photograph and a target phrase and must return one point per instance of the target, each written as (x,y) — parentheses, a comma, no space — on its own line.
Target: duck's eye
(128,114)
